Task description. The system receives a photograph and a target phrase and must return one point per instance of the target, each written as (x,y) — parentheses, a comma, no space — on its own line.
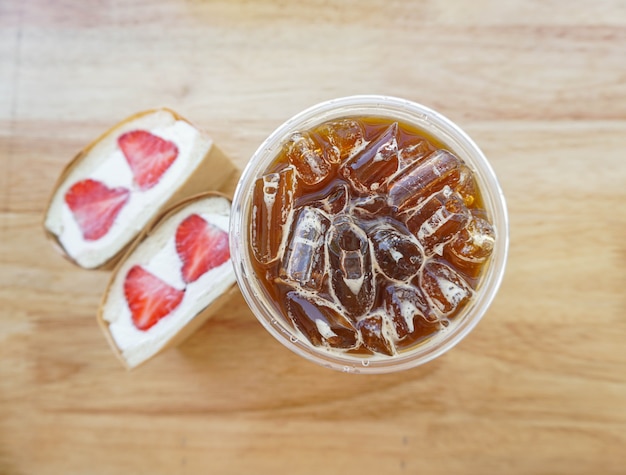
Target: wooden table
(538,388)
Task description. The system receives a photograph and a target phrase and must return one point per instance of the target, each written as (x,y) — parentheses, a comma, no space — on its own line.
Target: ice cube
(466,187)
(304,260)
(332,200)
(320,321)
(352,276)
(472,246)
(271,210)
(445,288)
(307,156)
(424,177)
(346,136)
(397,252)
(437,220)
(370,207)
(370,169)
(376,334)
(409,311)
(416,150)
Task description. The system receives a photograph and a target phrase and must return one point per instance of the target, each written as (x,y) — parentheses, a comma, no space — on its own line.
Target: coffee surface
(368,235)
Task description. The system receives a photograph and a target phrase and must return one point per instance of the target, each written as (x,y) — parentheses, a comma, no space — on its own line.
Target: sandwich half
(119,183)
(174,277)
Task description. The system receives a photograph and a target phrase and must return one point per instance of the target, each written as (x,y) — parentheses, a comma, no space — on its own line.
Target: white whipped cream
(114,171)
(157,254)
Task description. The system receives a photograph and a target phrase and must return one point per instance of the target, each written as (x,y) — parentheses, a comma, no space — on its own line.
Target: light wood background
(538,388)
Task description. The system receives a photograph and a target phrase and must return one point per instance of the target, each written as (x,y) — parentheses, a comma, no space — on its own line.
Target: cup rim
(453,137)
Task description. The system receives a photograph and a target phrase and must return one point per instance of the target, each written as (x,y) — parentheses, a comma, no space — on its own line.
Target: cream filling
(157,254)
(115,172)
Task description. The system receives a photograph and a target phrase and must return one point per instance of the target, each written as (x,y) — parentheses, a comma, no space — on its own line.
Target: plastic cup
(434,124)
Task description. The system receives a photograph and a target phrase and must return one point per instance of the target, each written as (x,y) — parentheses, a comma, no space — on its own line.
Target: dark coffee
(368,235)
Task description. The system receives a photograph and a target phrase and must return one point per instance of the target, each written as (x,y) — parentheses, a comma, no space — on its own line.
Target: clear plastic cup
(433,124)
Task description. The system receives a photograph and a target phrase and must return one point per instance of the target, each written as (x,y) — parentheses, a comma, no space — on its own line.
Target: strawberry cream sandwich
(116,185)
(173,278)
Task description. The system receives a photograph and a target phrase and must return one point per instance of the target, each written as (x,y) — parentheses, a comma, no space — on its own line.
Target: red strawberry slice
(95,206)
(149,298)
(149,156)
(201,246)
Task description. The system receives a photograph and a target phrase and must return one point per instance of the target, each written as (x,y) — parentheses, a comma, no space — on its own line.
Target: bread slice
(175,276)
(134,171)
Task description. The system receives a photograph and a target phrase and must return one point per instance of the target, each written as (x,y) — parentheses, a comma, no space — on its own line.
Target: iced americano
(369,235)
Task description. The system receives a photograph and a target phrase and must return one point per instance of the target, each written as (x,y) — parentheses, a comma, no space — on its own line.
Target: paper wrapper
(215,172)
(197,321)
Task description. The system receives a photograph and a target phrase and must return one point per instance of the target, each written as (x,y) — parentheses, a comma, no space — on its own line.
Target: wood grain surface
(539,387)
